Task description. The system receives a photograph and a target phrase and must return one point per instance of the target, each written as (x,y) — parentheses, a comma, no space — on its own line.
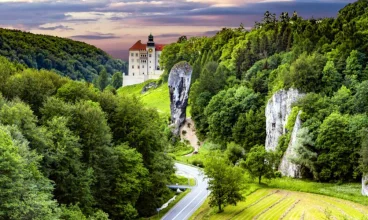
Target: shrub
(197,162)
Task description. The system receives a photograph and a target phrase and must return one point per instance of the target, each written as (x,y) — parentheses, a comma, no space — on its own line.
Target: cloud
(156,12)
(169,19)
(95,36)
(58,27)
(168,35)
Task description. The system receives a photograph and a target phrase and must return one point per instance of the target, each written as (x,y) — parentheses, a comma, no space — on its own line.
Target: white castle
(143,62)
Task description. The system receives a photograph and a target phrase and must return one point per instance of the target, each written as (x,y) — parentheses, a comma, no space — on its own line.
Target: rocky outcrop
(151,85)
(364,185)
(188,132)
(286,167)
(179,85)
(277,112)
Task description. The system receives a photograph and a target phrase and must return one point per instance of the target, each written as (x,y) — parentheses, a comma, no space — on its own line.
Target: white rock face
(179,85)
(364,187)
(286,167)
(278,110)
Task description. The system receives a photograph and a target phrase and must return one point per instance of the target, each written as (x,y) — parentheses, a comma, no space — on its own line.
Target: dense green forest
(237,71)
(74,150)
(76,60)
(70,151)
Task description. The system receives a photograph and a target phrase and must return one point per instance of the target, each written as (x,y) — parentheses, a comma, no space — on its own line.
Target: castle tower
(151,50)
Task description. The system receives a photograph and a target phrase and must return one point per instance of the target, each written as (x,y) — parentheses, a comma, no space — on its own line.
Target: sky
(115,25)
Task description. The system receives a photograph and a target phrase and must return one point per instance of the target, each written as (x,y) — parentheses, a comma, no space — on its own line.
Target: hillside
(74,59)
(157,98)
(287,98)
(70,151)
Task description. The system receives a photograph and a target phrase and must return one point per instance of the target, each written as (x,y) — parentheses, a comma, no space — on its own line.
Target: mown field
(282,204)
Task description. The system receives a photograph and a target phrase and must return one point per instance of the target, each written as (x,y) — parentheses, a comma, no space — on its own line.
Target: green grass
(286,198)
(283,204)
(350,191)
(196,158)
(158,98)
(182,180)
(163,212)
(180,150)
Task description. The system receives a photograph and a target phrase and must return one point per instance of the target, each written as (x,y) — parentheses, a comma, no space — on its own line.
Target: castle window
(158,68)
(132,66)
(132,54)
(150,55)
(143,66)
(136,54)
(138,66)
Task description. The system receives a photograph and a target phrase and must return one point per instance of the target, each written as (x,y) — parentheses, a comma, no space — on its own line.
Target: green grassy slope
(281,204)
(158,98)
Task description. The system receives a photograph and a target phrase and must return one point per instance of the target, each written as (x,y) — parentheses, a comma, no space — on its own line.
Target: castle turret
(151,49)
(150,42)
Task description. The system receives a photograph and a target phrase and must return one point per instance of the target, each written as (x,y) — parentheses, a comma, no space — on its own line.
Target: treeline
(76,60)
(237,71)
(69,151)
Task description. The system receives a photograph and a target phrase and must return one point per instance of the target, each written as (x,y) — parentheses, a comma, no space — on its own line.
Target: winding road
(193,200)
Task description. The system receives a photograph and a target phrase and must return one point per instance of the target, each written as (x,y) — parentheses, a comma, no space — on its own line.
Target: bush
(198,163)
(278,174)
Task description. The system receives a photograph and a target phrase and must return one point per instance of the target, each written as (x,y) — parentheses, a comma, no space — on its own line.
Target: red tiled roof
(138,46)
(160,47)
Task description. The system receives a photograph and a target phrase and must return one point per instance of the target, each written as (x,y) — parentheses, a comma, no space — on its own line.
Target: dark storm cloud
(95,36)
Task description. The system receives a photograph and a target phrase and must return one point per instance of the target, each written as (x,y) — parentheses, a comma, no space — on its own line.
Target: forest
(74,59)
(70,151)
(237,71)
(77,150)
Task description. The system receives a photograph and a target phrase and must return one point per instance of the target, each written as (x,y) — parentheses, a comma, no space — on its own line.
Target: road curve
(193,200)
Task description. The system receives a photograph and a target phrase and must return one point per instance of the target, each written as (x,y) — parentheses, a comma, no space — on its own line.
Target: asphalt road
(193,200)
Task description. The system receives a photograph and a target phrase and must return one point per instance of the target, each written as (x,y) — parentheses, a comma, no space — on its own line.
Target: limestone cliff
(277,112)
(286,167)
(364,185)
(179,85)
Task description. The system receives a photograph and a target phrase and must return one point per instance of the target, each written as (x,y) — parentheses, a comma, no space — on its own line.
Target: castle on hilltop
(143,62)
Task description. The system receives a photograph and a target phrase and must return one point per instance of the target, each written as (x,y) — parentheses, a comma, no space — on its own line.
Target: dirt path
(188,132)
